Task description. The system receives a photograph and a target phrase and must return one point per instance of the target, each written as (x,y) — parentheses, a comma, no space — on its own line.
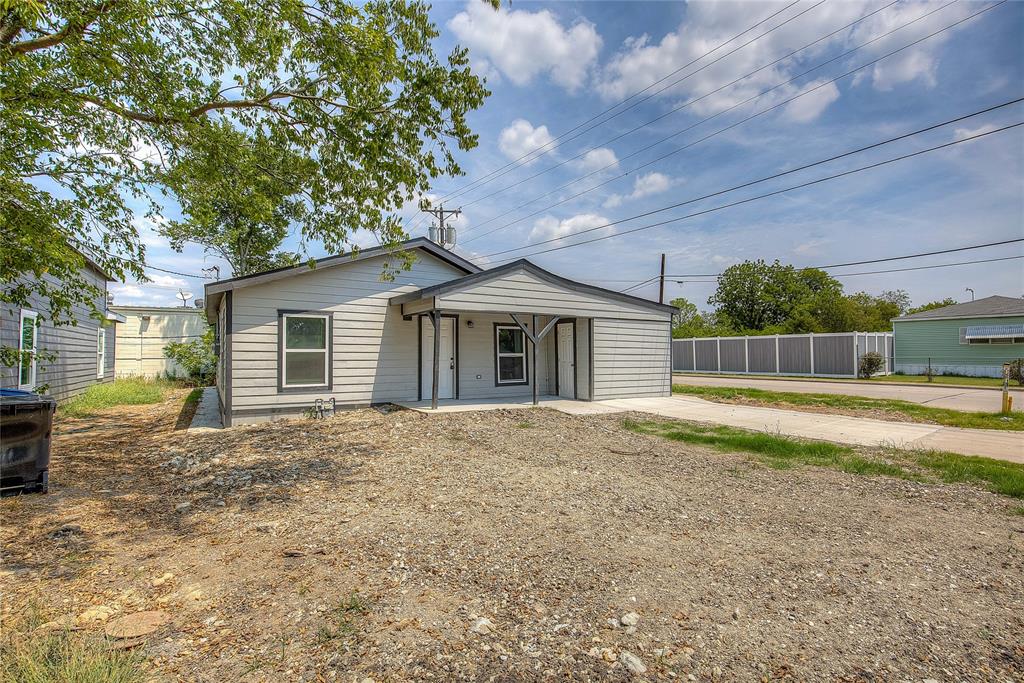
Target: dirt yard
(508,546)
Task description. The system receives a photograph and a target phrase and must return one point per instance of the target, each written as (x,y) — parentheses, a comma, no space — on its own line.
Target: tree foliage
(196,357)
(932,305)
(103,101)
(756,297)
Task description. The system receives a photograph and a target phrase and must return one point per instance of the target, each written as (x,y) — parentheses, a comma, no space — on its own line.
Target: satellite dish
(184,296)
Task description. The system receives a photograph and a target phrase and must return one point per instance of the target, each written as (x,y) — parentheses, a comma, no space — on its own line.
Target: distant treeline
(756,297)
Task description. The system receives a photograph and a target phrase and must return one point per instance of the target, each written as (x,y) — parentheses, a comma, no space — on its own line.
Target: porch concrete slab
(207,416)
(467,405)
(1006,445)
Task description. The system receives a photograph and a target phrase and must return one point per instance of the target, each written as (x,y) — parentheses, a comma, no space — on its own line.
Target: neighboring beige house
(146,331)
(291,336)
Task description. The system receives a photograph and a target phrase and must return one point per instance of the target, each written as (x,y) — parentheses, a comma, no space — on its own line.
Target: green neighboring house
(972,339)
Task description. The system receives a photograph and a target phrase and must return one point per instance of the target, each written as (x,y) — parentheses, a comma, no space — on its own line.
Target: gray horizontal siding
(632,358)
(75,367)
(374,349)
(523,292)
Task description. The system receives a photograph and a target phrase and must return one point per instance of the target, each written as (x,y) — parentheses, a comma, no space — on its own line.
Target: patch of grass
(938,380)
(120,392)
(1000,476)
(783,452)
(342,623)
(1019,510)
(775,450)
(524,424)
(951,380)
(194,396)
(62,656)
(914,411)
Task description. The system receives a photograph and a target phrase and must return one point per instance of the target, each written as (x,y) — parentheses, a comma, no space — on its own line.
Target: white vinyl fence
(816,355)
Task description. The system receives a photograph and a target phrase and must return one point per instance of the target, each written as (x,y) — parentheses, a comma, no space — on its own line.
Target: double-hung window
(510,355)
(101,351)
(27,342)
(305,349)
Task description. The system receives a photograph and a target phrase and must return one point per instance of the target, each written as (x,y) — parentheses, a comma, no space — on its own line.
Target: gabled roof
(215,290)
(989,307)
(522,264)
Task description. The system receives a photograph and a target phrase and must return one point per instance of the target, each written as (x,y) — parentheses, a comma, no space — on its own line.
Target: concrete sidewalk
(968,399)
(1004,445)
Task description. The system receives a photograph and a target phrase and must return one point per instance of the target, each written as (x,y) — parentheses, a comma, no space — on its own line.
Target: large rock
(136,625)
(632,663)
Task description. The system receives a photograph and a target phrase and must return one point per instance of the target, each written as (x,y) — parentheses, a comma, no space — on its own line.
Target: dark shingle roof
(988,307)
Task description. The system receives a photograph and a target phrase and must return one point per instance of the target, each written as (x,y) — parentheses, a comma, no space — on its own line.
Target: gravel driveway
(510,545)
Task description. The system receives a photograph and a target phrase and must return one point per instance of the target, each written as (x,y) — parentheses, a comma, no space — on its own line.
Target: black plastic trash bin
(26,420)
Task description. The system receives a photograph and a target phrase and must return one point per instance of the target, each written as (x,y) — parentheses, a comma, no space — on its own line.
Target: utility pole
(661,282)
(441,233)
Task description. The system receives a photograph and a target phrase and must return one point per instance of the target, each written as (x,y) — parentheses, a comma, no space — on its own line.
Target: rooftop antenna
(212,269)
(968,289)
(439,232)
(184,296)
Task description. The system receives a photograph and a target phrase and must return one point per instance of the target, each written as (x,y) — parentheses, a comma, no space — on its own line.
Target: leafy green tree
(689,322)
(239,200)
(196,357)
(756,296)
(100,99)
(932,305)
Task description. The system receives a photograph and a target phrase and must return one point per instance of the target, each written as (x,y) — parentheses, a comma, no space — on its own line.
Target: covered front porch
(514,358)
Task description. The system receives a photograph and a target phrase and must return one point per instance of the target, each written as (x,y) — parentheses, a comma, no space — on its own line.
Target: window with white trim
(27,343)
(510,355)
(101,351)
(305,350)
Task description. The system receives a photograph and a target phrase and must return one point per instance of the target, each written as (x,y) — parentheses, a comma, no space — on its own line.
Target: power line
(772,194)
(511,166)
(515,162)
(880,260)
(727,128)
(773,176)
(693,101)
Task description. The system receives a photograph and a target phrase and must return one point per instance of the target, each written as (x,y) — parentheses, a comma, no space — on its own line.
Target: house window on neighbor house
(27,343)
(101,351)
(509,355)
(305,350)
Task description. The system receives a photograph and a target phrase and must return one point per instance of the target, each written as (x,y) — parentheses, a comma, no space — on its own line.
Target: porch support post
(435,319)
(534,361)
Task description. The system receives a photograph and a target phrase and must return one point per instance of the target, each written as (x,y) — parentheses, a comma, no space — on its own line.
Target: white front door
(446,375)
(566,360)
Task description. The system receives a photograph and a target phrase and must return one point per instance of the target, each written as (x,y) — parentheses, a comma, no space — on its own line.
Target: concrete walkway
(838,428)
(207,415)
(939,396)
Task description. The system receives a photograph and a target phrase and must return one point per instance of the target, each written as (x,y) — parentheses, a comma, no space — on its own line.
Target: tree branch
(71,29)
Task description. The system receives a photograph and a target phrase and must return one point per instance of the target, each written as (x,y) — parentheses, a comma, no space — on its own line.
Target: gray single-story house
(974,338)
(288,337)
(61,360)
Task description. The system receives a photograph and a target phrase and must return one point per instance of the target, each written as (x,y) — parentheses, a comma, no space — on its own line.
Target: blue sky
(552,66)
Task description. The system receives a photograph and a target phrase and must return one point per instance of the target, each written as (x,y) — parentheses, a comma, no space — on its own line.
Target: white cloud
(642,60)
(167,281)
(964,133)
(549,227)
(523,44)
(597,159)
(133,293)
(521,138)
(643,186)
(812,104)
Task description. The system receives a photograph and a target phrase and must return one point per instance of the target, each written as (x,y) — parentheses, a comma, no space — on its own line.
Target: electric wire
(809,183)
(727,128)
(774,176)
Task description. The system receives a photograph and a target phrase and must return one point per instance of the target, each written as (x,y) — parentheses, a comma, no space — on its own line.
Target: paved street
(939,396)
